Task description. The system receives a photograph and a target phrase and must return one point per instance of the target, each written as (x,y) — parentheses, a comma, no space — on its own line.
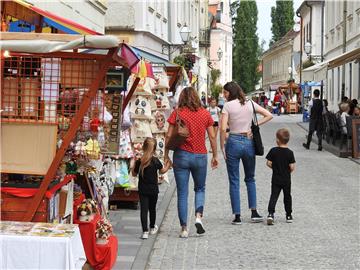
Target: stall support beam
(69,136)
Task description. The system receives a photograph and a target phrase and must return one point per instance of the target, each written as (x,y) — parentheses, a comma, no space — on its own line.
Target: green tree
(282,19)
(215,88)
(246,45)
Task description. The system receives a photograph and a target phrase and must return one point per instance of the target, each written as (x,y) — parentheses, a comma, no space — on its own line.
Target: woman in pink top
(238,114)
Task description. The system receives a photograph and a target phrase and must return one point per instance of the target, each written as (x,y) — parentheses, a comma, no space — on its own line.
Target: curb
(144,252)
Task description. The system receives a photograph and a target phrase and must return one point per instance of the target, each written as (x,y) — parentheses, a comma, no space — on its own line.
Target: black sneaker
(236,221)
(255,217)
(320,148)
(270,219)
(306,146)
(289,219)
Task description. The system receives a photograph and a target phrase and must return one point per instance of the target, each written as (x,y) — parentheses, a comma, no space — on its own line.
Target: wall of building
(334,47)
(221,37)
(87,13)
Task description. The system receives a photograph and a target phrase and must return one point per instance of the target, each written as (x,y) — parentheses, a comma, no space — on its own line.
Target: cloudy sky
(264,18)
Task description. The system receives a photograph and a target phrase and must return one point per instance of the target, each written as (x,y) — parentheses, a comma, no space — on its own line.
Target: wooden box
(13,208)
(124,195)
(10,96)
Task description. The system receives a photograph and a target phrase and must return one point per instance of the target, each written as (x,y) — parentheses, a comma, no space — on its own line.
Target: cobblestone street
(324,235)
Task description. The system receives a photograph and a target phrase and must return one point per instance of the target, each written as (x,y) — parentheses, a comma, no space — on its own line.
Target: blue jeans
(239,147)
(185,163)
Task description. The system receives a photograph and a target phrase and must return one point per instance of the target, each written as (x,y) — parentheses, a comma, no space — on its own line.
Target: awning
(344,58)
(50,19)
(152,58)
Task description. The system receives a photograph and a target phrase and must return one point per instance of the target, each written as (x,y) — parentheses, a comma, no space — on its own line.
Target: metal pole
(322,48)
(344,48)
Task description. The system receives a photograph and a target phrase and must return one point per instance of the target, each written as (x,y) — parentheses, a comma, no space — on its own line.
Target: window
(350,80)
(339,86)
(332,85)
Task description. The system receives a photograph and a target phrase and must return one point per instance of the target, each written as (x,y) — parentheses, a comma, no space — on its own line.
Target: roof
(152,58)
(60,23)
(288,36)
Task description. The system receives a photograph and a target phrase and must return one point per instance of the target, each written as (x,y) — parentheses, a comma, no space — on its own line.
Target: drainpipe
(301,55)
(322,47)
(344,48)
(169,27)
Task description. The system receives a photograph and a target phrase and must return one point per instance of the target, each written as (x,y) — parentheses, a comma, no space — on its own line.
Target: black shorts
(216,124)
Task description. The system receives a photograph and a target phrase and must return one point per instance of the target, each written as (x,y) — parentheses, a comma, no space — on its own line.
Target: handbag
(255,129)
(179,135)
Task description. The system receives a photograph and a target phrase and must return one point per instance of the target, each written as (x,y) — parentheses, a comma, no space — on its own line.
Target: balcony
(204,37)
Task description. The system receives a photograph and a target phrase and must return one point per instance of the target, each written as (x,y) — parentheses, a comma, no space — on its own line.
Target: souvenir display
(160,99)
(86,210)
(140,107)
(103,231)
(140,130)
(158,122)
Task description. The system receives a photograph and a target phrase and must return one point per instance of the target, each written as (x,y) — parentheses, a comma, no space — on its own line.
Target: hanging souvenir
(160,147)
(125,150)
(140,107)
(159,123)
(122,178)
(92,149)
(86,123)
(161,80)
(140,130)
(71,167)
(101,137)
(160,99)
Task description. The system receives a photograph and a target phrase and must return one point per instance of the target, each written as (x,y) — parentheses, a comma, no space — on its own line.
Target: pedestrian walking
(316,123)
(238,114)
(215,114)
(221,101)
(277,102)
(282,162)
(147,169)
(191,156)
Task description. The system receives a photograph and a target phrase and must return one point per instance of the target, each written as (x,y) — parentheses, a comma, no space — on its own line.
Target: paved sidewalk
(324,235)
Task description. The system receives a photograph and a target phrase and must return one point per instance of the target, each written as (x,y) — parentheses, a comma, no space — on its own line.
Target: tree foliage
(282,19)
(215,88)
(246,48)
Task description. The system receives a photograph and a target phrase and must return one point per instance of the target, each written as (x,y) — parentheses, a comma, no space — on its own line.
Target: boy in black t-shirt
(282,162)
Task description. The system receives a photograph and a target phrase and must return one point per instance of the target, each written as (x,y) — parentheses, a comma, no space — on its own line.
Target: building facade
(342,35)
(221,39)
(154,26)
(89,13)
(281,62)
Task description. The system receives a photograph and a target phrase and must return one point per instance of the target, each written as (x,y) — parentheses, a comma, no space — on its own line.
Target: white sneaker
(184,234)
(145,235)
(154,230)
(199,226)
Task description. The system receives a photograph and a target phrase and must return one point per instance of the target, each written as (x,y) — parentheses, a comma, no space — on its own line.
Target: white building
(154,27)
(89,13)
(221,38)
(342,75)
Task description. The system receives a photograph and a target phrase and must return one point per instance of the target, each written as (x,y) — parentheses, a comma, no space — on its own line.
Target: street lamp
(185,33)
(219,53)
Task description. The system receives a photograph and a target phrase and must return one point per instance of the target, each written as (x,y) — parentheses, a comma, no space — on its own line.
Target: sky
(264,18)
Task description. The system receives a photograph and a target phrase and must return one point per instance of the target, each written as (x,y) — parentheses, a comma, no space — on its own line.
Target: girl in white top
(215,114)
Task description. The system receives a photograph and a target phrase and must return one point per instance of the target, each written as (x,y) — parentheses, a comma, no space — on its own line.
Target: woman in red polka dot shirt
(191,156)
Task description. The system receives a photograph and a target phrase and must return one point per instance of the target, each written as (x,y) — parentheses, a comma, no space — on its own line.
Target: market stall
(61,123)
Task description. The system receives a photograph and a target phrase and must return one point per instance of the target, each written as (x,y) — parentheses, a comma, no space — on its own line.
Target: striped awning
(60,23)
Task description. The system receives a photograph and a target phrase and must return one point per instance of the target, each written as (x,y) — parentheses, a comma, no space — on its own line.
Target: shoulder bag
(255,129)
(179,135)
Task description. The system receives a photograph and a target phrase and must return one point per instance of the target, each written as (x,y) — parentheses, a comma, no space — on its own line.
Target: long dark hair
(235,92)
(190,99)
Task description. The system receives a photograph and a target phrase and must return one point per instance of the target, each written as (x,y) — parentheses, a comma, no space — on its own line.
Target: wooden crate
(10,96)
(13,208)
(122,195)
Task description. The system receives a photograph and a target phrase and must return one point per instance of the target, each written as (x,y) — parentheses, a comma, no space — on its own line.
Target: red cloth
(197,123)
(75,205)
(30,192)
(100,257)
(277,98)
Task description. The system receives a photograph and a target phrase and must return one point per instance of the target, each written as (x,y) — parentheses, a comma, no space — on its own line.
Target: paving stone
(324,235)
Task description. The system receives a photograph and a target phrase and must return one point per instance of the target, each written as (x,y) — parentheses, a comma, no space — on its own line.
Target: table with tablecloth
(26,245)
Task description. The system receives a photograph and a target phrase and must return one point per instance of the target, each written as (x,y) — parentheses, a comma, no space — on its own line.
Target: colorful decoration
(87,209)
(103,231)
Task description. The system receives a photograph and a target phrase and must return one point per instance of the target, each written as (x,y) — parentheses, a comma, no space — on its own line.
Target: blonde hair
(148,148)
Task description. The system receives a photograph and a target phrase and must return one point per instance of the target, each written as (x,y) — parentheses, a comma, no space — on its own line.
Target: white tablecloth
(39,252)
